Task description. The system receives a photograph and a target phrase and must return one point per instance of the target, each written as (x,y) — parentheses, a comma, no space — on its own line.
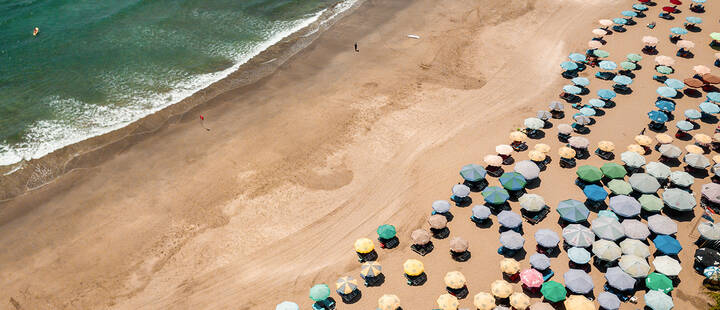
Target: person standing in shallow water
(356,47)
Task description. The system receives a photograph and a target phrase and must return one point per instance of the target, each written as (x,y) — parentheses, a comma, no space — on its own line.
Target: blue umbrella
(692,114)
(674,83)
(640,7)
(587,111)
(595,192)
(572,89)
(699,1)
(684,125)
(577,57)
(597,103)
(678,30)
(628,13)
(512,181)
(713,96)
(608,65)
(657,116)
(622,80)
(709,108)
(568,65)
(581,81)
(693,20)
(666,92)
(606,94)
(620,21)
(667,245)
(665,105)
(495,195)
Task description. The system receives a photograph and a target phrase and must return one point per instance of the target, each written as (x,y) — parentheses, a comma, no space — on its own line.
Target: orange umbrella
(711,79)
(693,82)
(664,138)
(636,148)
(566,152)
(643,140)
(606,146)
(702,138)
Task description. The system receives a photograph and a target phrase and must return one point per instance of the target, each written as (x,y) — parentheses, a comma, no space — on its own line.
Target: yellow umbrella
(536,155)
(370,269)
(716,159)
(448,302)
(606,146)
(542,147)
(364,245)
(455,280)
(636,148)
(388,302)
(566,152)
(702,138)
(663,138)
(346,285)
(643,140)
(519,301)
(517,136)
(509,266)
(716,137)
(579,302)
(413,267)
(484,301)
(501,289)
(694,149)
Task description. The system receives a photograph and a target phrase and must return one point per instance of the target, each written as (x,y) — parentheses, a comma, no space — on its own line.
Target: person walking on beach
(202,123)
(356,48)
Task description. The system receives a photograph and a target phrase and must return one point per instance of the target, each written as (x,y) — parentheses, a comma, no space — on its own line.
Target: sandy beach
(297,166)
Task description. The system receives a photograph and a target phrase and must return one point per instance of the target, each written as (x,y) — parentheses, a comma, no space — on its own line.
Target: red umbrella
(669,9)
(531,278)
(644,1)
(676,2)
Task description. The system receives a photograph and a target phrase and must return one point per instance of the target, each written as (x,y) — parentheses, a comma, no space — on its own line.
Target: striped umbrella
(346,285)
(370,269)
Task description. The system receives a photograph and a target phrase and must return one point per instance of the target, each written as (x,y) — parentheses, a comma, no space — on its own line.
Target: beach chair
(666,16)
(424,249)
(563,137)
(374,281)
(389,243)
(567,162)
(327,304)
(440,233)
(460,256)
(618,28)
(547,274)
(535,217)
(604,155)
(604,75)
(416,280)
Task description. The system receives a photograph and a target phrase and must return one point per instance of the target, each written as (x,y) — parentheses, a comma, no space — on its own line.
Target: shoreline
(25,176)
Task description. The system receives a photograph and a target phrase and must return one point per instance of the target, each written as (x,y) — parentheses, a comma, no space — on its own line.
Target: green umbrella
(512,181)
(319,292)
(589,173)
(386,231)
(715,36)
(601,53)
(628,65)
(634,57)
(613,171)
(495,195)
(664,69)
(473,172)
(619,187)
(660,282)
(553,291)
(651,203)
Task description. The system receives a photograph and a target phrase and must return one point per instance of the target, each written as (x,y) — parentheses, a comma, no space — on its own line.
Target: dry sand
(335,143)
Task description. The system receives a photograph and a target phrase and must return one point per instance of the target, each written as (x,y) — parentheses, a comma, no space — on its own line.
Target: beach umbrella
(581,81)
(667,245)
(519,301)
(650,40)
(607,65)
(577,281)
(578,255)
(578,236)
(622,80)
(459,245)
(664,69)
(670,151)
(644,183)
(715,36)
(694,149)
(664,60)
(573,211)
(553,291)
(544,115)
(493,160)
(650,203)
(346,285)
(587,111)
(578,302)
(577,57)
(696,161)
(517,136)
(455,280)
(657,300)
(707,257)
(388,302)
(600,53)
(566,152)
(606,250)
(659,282)
(420,236)
(532,202)
(634,57)
(509,266)
(700,69)
(626,65)
(581,119)
(709,108)
(628,13)
(531,278)
(536,156)
(665,105)
(643,140)
(595,193)
(607,228)
(501,289)
(287,305)
(657,116)
(473,172)
(619,21)
(441,206)
(608,301)
(635,266)
(713,96)
(533,123)
(712,273)
(712,79)
(634,247)
(613,171)
(572,89)
(512,181)
(702,138)
(481,212)
(657,170)
(606,94)
(589,173)
(509,219)
(674,84)
(608,213)
(606,146)
(619,279)
(565,129)
(640,7)
(716,169)
(635,229)
(709,230)
(447,302)
(624,206)
(568,65)
(636,148)
(495,195)
(693,82)
(413,267)
(663,138)
(596,103)
(681,178)
(662,225)
(556,106)
(484,301)
(512,240)
(711,191)
(539,261)
(461,190)
(620,187)
(686,44)
(370,269)
(632,159)
(693,20)
(692,114)
(437,221)
(716,158)
(678,199)
(667,265)
(547,238)
(364,245)
(605,22)
(599,32)
(386,231)
(666,92)
(319,292)
(678,30)
(542,147)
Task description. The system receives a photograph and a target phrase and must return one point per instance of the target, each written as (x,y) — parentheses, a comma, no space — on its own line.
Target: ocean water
(98,65)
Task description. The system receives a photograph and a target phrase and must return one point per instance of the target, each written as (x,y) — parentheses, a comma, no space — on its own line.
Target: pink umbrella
(594,44)
(664,60)
(531,278)
(599,32)
(700,69)
(650,40)
(605,22)
(687,44)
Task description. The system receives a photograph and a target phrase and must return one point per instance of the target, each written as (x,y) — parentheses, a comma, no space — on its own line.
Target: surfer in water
(36,31)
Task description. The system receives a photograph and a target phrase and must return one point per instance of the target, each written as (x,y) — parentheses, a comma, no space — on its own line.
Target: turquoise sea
(98,65)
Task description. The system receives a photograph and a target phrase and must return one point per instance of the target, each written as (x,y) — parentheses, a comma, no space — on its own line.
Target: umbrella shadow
(693,28)
(599,112)
(440,233)
(628,73)
(533,184)
(477,186)
(461,257)
(352,298)
(487,223)
(708,119)
(655,128)
(462,203)
(697,173)
(537,134)
(692,93)
(679,216)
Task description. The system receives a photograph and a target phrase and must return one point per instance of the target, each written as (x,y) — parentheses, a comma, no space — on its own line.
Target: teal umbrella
(473,172)
(589,173)
(573,211)
(709,107)
(601,53)
(386,231)
(512,181)
(319,292)
(495,195)
(626,65)
(634,57)
(664,69)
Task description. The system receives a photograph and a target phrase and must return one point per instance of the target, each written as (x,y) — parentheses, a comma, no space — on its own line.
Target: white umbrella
(667,265)
(709,230)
